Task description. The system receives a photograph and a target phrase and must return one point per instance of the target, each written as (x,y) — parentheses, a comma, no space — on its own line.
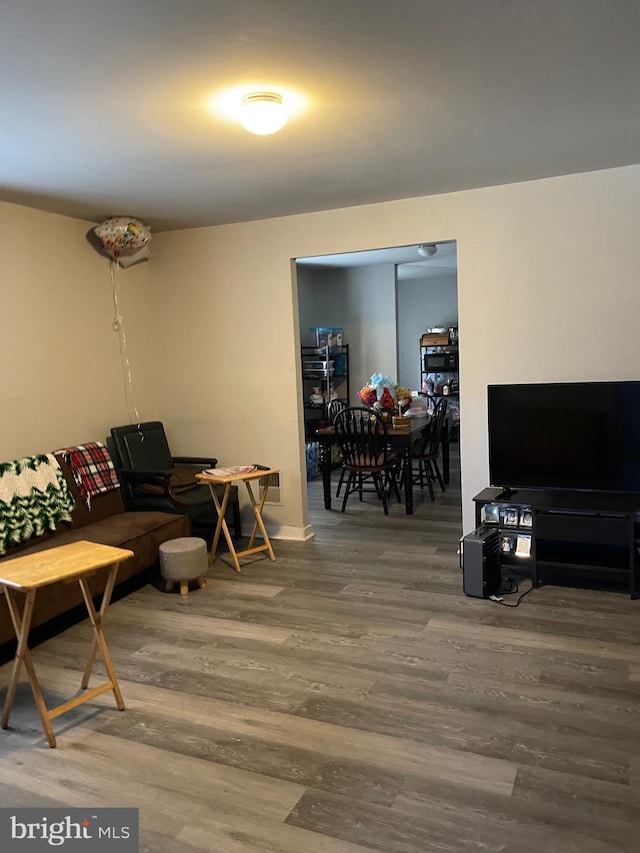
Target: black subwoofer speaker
(480,562)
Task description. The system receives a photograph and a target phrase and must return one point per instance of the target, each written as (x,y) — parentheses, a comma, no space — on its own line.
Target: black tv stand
(566,535)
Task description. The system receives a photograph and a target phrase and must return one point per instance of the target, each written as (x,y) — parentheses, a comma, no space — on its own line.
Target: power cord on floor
(511,590)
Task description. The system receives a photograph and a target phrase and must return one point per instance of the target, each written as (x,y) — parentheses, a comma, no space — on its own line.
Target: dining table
(401,439)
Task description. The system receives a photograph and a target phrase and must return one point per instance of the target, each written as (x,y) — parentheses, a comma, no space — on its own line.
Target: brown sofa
(108,524)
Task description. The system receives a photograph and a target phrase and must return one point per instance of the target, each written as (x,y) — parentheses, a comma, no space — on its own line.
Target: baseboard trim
(292,534)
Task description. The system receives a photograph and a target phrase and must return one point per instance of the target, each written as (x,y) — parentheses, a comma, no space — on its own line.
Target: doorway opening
(382,302)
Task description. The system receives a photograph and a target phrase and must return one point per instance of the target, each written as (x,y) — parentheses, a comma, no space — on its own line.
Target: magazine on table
(232,471)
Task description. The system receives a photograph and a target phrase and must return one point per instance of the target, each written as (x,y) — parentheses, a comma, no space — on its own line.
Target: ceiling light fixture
(427,250)
(263,113)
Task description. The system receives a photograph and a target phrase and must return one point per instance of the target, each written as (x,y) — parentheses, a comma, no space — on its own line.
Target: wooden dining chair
(425,452)
(364,444)
(333,408)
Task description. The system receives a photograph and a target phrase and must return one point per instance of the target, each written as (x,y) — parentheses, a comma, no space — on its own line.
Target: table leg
(257,511)
(408,480)
(254,529)
(222,526)
(632,560)
(23,656)
(325,459)
(94,641)
(444,444)
(97,621)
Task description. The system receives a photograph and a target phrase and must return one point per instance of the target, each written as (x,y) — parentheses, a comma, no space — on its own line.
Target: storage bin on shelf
(340,363)
(317,369)
(328,336)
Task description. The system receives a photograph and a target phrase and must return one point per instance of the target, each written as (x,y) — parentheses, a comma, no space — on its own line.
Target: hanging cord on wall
(118,326)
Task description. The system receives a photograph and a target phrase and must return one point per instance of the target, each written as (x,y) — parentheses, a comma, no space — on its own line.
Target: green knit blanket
(34,497)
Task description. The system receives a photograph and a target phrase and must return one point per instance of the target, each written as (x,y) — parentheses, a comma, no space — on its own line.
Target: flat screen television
(567,435)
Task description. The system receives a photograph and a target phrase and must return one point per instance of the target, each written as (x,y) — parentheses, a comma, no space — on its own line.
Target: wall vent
(274,495)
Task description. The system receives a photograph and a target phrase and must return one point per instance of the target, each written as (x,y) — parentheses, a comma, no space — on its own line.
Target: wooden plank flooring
(349,698)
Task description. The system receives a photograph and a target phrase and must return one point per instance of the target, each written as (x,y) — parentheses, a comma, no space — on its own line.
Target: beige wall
(547,284)
(547,287)
(362,301)
(423,303)
(61,379)
(369,319)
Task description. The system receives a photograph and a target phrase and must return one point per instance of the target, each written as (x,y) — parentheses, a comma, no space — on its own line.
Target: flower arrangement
(368,396)
(383,395)
(403,398)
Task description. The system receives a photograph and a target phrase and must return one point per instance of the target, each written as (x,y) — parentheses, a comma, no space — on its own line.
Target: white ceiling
(411,265)
(105,105)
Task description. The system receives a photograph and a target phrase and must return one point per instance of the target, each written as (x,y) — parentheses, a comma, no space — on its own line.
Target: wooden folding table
(247,477)
(26,575)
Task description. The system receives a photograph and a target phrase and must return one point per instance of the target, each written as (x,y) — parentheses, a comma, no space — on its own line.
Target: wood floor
(350,698)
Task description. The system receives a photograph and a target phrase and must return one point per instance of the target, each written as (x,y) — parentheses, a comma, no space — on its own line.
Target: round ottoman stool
(183,560)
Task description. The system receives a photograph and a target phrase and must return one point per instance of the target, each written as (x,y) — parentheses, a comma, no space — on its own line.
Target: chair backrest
(333,408)
(362,437)
(429,443)
(431,401)
(142,447)
(437,423)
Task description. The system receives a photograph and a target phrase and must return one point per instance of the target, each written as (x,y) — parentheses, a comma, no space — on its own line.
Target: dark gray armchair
(152,479)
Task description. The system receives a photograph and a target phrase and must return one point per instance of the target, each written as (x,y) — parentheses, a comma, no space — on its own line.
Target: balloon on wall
(122,235)
(123,260)
(126,242)
(129,260)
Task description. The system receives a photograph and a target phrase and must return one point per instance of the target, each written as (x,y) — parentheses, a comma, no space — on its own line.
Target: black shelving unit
(573,535)
(323,367)
(439,370)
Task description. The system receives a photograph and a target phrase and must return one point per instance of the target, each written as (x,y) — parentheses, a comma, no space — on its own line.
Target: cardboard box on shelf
(435,339)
